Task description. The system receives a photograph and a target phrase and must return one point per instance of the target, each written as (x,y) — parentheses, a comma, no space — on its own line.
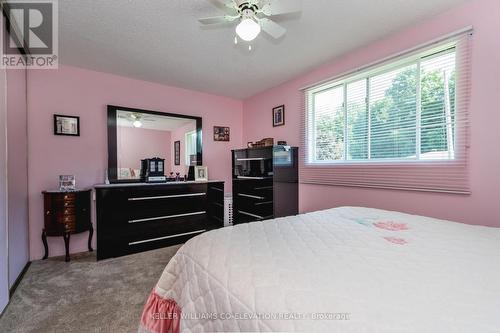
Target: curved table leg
(66,245)
(45,245)
(91,233)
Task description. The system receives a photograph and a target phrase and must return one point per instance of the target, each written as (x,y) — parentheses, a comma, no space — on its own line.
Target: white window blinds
(401,124)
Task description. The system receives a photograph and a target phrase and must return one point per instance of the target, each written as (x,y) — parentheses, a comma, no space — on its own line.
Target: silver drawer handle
(256,216)
(263,203)
(165,217)
(254,159)
(251,196)
(218,219)
(167,237)
(247,177)
(168,196)
(263,188)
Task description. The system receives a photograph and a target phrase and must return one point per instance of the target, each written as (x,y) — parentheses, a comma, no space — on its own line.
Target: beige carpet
(84,295)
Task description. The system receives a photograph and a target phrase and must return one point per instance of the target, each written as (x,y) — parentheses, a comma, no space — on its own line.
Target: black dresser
(265,183)
(133,218)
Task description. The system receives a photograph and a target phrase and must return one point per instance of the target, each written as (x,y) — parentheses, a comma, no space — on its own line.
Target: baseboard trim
(18,280)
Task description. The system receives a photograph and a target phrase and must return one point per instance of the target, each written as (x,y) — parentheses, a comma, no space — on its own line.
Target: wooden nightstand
(66,213)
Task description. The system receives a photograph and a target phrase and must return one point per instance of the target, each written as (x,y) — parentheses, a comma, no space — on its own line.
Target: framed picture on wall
(177,153)
(279,116)
(221,133)
(66,125)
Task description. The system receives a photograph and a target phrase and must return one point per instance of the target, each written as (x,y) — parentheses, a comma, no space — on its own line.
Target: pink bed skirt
(160,315)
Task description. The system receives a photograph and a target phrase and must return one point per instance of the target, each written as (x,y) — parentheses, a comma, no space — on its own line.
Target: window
(401,124)
(403,113)
(190,147)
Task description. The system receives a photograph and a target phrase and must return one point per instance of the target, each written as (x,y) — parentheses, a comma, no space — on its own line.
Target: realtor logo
(29,36)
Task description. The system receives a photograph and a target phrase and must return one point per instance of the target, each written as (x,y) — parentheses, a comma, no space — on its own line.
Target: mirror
(135,134)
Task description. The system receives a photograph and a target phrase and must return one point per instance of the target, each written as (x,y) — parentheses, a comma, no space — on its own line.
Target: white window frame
(390,66)
(187,139)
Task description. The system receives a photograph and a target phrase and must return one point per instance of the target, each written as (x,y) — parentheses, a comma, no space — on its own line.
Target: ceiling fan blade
(224,5)
(279,7)
(217,19)
(272,28)
(252,2)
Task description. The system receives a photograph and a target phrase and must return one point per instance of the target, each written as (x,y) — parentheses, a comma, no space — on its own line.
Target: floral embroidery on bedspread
(390,225)
(362,222)
(395,240)
(384,225)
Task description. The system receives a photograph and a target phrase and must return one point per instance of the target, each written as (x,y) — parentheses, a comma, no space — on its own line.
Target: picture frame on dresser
(200,173)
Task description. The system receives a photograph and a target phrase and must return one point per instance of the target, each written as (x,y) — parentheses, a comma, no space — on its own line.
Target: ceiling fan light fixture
(137,124)
(248,29)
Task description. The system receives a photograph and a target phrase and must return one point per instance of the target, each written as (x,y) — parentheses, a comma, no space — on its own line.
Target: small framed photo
(221,133)
(66,125)
(279,116)
(200,173)
(67,183)
(177,153)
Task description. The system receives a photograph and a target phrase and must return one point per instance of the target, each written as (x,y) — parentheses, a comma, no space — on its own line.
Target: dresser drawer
(256,208)
(256,188)
(216,192)
(243,218)
(165,190)
(217,210)
(166,205)
(64,201)
(147,231)
(65,211)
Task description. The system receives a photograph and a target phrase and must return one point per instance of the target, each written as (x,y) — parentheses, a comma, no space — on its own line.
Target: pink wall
(17,169)
(135,144)
(479,208)
(85,93)
(180,135)
(4,257)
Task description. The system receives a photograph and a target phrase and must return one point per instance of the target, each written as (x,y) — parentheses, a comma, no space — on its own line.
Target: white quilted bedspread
(340,270)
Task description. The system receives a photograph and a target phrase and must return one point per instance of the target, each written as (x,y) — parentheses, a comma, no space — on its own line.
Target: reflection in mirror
(144,135)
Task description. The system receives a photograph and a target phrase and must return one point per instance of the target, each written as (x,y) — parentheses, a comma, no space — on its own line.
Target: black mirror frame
(112,139)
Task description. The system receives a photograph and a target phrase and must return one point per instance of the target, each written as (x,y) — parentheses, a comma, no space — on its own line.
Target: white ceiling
(161,40)
(151,121)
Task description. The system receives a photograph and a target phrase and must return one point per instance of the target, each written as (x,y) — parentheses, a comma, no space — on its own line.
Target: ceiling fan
(136,119)
(253,16)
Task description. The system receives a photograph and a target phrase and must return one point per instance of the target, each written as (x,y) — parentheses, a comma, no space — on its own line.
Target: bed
(347,269)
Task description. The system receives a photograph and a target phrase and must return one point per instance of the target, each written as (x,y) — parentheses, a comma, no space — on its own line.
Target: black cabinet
(215,207)
(139,217)
(265,183)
